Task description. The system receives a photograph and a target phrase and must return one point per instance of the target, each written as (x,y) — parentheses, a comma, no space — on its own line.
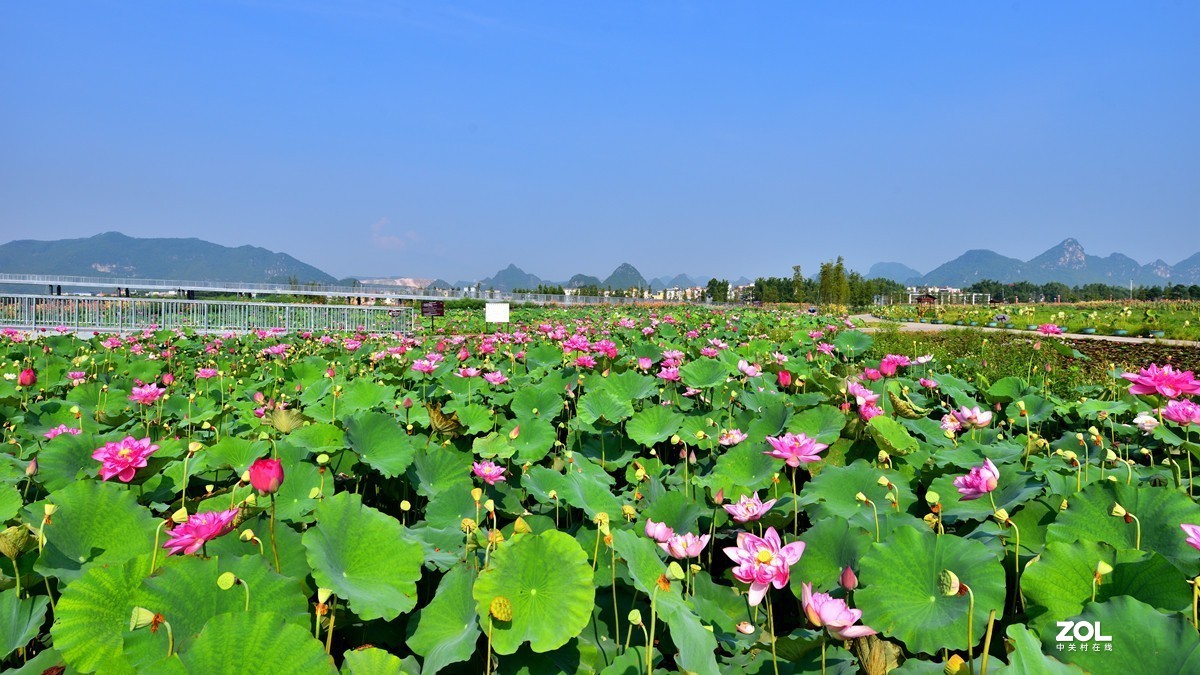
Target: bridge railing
(121,315)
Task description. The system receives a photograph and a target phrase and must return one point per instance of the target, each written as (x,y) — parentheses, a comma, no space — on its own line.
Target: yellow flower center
(764,556)
(124,452)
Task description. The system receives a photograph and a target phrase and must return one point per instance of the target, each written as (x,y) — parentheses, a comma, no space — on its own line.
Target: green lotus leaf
(679,511)
(534,439)
(741,470)
(853,343)
(1015,489)
(891,436)
(436,470)
(1026,657)
(374,661)
(832,492)
(1008,389)
(96,522)
(1160,511)
(62,460)
(447,630)
(704,373)
(901,597)
(92,615)
(548,581)
(1059,583)
(653,425)
(236,453)
(695,643)
(1144,640)
(250,642)
(364,556)
(824,423)
(318,437)
(20,620)
(831,545)
(10,503)
(770,420)
(630,385)
(545,401)
(602,406)
(380,442)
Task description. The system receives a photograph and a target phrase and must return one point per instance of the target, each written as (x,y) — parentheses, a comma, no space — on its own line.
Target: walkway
(864,321)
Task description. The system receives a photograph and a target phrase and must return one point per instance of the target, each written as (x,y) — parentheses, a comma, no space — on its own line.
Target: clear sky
(379,137)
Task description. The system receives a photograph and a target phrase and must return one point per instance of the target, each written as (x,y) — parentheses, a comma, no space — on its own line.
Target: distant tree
(717,290)
(797,284)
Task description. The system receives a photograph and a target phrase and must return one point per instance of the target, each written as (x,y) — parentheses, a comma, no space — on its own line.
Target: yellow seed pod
(500,608)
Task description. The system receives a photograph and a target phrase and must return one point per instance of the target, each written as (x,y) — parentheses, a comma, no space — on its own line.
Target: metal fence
(120,315)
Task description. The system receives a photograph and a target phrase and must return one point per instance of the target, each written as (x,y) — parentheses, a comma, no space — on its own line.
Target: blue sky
(429,139)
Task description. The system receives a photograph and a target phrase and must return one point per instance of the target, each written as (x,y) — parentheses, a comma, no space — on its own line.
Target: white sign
(496,312)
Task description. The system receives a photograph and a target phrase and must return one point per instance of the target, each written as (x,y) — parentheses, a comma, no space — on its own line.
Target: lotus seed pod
(246,477)
(1001,515)
(490,506)
(322,459)
(628,512)
(635,617)
(50,509)
(1103,568)
(930,520)
(405,505)
(140,618)
(932,497)
(675,571)
(314,493)
(323,595)
(948,583)
(501,608)
(468,525)
(495,537)
(861,498)
(247,535)
(13,541)
(1118,511)
(476,494)
(883,481)
(521,527)
(553,494)
(180,516)
(250,500)
(227,581)
(195,446)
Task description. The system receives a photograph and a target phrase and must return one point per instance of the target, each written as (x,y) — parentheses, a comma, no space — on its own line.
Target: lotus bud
(516,431)
(408,403)
(31,468)
(719,498)
(948,583)
(848,579)
(13,542)
(323,595)
(227,581)
(141,618)
(495,537)
(635,617)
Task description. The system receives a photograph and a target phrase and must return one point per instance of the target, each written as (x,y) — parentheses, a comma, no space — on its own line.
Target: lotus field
(615,491)
(1177,320)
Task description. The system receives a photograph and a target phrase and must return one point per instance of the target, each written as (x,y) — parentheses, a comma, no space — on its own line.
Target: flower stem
(1137,541)
(154,553)
(987,643)
(170,638)
(970,627)
(332,616)
(274,546)
(771,624)
(650,637)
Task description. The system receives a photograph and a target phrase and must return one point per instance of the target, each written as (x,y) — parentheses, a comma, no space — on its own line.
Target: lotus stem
(1137,541)
(970,627)
(153,553)
(274,545)
(1195,602)
(771,624)
(987,642)
(616,614)
(650,637)
(247,587)
(332,616)
(487,667)
(170,638)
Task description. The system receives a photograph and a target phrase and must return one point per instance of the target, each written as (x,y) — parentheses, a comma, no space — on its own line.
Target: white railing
(122,315)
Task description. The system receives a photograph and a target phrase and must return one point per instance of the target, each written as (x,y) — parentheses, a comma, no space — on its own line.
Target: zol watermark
(1082,636)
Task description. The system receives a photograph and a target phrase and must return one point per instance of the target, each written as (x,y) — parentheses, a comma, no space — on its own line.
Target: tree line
(1055,291)
(833,285)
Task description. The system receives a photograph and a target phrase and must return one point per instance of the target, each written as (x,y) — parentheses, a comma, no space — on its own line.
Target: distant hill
(509,278)
(1067,263)
(581,280)
(897,272)
(115,255)
(625,276)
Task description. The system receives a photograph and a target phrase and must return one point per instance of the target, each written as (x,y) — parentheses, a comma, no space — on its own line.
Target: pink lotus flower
(872,374)
(972,418)
(891,362)
(795,449)
(1193,535)
(927,383)
(27,378)
(123,459)
(669,374)
(199,529)
(644,363)
(784,378)
(77,377)
(490,472)
(924,358)
(424,366)
(832,614)
(748,508)
(585,361)
(978,482)
(862,395)
(468,372)
(1165,381)
(1050,329)
(763,562)
(748,369)
(950,423)
(146,395)
(1145,421)
(60,430)
(497,378)
(868,411)
(1182,412)
(825,348)
(731,437)
(683,546)
(709,352)
(659,532)
(205,373)
(266,475)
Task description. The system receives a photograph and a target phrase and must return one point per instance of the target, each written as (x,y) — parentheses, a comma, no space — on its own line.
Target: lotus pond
(597,491)
(1176,320)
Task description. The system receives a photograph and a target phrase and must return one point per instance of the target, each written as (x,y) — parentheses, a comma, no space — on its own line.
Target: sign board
(496,312)
(432,308)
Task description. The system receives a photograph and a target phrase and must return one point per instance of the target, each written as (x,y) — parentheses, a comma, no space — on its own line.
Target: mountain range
(1067,263)
(115,255)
